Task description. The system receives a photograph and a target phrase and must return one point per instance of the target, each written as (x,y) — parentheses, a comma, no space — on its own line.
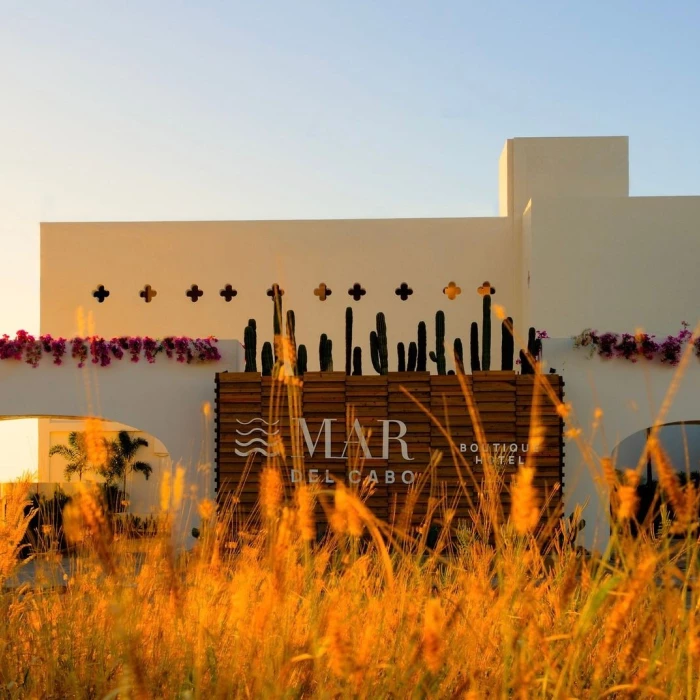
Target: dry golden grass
(495,609)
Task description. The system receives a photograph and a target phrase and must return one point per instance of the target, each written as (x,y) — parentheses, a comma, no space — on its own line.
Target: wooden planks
(346,418)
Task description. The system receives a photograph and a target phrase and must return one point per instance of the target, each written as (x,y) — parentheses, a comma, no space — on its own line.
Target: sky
(159,110)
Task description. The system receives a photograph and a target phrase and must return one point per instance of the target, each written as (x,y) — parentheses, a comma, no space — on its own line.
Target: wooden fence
(502,399)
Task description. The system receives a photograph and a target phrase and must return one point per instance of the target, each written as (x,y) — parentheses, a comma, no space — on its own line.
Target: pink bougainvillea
(102,351)
(641,345)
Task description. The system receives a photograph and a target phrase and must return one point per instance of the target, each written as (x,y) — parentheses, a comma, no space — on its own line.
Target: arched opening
(681,443)
(65,454)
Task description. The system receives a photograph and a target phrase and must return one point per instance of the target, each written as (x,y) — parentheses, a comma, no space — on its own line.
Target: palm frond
(143,468)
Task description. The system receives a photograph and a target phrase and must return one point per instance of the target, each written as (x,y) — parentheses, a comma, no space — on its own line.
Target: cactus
(292,341)
(401,352)
(267,360)
(486,335)
(421,359)
(378,346)
(250,340)
(357,362)
(348,339)
(534,348)
(325,353)
(412,356)
(507,344)
(438,355)
(526,364)
(534,344)
(474,346)
(301,360)
(276,321)
(459,355)
(374,352)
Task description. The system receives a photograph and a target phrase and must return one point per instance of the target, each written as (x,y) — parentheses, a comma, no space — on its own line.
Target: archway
(166,399)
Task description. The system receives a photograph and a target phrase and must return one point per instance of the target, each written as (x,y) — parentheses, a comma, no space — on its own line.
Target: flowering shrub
(29,348)
(632,347)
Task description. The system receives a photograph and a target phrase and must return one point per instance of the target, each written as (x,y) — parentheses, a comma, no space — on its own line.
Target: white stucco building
(570,249)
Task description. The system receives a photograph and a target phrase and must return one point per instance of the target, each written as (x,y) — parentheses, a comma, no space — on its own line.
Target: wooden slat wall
(503,402)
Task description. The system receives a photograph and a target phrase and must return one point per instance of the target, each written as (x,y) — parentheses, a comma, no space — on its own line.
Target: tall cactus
(526,365)
(348,340)
(412,356)
(292,341)
(534,344)
(301,360)
(250,340)
(422,357)
(486,334)
(378,346)
(438,355)
(459,355)
(267,359)
(401,352)
(325,353)
(357,362)
(277,322)
(507,344)
(474,347)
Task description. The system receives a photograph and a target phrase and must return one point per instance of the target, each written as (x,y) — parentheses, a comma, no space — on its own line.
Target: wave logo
(259,443)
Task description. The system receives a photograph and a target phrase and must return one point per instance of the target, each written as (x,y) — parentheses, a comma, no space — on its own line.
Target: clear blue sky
(235,110)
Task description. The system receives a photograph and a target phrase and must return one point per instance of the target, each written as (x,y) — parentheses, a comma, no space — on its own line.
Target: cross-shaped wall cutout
(274,291)
(101,293)
(322,291)
(357,291)
(404,291)
(228,292)
(194,292)
(452,291)
(147,293)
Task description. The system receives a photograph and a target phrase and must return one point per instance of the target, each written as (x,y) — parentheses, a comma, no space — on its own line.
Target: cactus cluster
(411,357)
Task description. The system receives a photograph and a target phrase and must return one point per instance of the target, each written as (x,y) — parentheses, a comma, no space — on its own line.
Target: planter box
(254,426)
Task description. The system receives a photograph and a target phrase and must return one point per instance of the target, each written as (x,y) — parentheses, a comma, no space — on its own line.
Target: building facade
(569,250)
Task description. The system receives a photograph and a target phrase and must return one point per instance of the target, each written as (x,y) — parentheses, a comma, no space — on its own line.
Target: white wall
(630,396)
(164,399)
(170,256)
(615,264)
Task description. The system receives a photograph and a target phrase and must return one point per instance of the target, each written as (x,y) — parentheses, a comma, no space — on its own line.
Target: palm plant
(123,459)
(75,454)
